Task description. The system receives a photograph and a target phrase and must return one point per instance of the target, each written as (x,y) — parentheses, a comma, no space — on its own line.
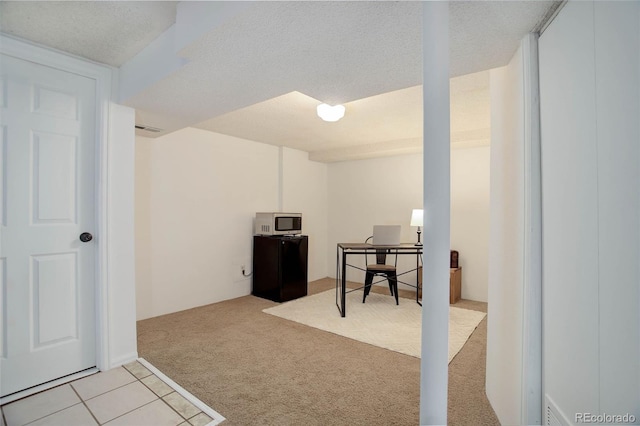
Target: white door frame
(103,76)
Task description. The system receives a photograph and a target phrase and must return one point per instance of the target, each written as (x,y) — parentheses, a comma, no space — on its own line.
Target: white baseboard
(124,359)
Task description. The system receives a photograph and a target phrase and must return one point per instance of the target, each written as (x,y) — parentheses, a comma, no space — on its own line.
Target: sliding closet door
(589,93)
(570,209)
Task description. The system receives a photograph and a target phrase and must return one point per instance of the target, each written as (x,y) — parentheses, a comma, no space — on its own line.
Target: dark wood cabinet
(280,267)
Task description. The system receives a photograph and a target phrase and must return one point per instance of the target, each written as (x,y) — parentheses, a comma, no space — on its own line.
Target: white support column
(435,294)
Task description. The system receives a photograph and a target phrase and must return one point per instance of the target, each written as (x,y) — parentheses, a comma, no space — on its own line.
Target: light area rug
(378,322)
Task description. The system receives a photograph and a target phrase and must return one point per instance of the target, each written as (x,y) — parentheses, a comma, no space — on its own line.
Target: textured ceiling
(390,123)
(257,70)
(110,32)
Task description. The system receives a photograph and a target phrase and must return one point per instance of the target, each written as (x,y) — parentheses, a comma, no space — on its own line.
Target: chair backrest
(384,235)
(381,254)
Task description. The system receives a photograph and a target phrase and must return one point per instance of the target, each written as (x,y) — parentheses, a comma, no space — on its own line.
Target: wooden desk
(346,249)
(455,284)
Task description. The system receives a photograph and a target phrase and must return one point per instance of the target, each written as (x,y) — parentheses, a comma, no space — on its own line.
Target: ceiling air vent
(148,128)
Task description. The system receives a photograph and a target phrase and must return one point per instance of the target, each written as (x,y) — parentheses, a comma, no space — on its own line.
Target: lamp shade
(416,217)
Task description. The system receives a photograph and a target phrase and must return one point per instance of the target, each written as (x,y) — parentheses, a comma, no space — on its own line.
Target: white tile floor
(126,396)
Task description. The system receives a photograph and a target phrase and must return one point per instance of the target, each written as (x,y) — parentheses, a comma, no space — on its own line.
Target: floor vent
(553,416)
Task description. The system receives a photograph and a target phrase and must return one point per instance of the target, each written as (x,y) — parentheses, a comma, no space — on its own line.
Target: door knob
(85,237)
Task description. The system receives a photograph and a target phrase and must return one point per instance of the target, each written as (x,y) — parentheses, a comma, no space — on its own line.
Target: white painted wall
(470,218)
(197,195)
(143,248)
(204,191)
(364,193)
(590,104)
(514,339)
(121,252)
(506,242)
(304,190)
(384,191)
(188,190)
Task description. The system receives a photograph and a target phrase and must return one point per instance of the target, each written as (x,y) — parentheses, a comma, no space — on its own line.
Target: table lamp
(417,220)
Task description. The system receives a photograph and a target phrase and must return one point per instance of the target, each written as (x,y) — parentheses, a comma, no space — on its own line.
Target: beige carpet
(259,369)
(379,321)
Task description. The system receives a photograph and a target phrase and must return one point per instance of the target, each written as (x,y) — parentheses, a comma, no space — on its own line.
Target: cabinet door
(266,268)
(293,264)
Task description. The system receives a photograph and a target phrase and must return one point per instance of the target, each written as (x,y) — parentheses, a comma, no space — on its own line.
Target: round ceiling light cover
(330,113)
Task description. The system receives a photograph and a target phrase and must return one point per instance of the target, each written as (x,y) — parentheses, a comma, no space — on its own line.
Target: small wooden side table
(455,284)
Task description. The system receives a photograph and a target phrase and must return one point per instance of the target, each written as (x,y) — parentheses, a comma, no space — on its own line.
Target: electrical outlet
(241,269)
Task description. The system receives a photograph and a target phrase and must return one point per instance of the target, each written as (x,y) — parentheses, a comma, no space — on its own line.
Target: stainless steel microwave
(276,223)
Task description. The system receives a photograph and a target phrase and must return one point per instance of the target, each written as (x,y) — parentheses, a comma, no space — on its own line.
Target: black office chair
(380,268)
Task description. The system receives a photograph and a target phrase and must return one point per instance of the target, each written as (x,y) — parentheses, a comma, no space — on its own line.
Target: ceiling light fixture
(330,113)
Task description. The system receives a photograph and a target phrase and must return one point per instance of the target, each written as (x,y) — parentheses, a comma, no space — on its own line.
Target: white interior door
(47,138)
